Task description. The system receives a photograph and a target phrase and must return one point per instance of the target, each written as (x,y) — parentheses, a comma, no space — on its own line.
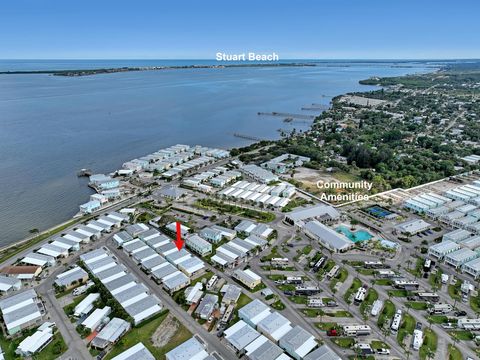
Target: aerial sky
(196,29)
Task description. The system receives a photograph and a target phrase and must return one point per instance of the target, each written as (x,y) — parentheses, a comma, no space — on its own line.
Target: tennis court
(378,211)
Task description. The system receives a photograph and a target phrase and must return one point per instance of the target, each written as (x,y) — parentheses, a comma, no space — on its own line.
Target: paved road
(188,321)
(76,346)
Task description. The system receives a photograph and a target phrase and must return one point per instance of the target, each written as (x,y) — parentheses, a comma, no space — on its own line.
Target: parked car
(461,313)
(383,351)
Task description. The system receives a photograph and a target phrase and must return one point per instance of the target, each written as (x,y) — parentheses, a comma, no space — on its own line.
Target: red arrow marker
(179,242)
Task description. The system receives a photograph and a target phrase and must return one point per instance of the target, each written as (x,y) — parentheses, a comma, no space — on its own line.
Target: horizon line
(279,61)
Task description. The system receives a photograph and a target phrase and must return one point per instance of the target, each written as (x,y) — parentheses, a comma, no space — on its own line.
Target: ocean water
(52,126)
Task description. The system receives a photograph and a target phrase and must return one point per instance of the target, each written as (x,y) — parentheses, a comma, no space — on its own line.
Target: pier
(320,107)
(288,115)
(249,137)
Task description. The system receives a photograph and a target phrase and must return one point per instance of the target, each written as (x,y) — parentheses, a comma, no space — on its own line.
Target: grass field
(454,353)
(143,334)
(344,342)
(353,288)
(372,295)
(407,327)
(417,305)
(387,313)
(429,344)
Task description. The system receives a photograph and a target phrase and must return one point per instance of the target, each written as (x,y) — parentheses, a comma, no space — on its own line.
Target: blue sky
(156,29)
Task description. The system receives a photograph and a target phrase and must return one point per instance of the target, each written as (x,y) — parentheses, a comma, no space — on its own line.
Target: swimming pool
(355,236)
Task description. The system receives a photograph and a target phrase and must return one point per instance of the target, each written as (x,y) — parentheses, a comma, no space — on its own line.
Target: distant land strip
(88,72)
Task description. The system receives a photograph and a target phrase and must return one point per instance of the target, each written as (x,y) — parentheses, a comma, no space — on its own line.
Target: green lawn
(438,319)
(386,314)
(298,299)
(475,303)
(306,250)
(53,350)
(454,290)
(326,325)
(377,344)
(417,305)
(340,278)
(344,342)
(406,328)
(398,293)
(462,335)
(309,312)
(276,277)
(372,295)
(368,272)
(278,305)
(144,333)
(429,344)
(352,290)
(243,300)
(454,353)
(339,313)
(383,282)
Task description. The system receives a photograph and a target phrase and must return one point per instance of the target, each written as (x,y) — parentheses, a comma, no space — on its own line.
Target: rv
(397,319)
(360,295)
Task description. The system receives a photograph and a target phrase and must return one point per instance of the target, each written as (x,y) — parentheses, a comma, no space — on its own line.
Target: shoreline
(89,72)
(74,219)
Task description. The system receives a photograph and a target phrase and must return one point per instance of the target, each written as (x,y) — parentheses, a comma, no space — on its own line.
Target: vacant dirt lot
(161,337)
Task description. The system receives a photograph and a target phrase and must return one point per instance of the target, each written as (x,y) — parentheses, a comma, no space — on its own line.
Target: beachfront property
(71,278)
(281,164)
(136,352)
(198,245)
(90,207)
(321,213)
(21,311)
(328,237)
(259,174)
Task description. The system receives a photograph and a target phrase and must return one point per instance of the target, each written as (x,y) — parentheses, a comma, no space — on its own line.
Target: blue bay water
(51,126)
